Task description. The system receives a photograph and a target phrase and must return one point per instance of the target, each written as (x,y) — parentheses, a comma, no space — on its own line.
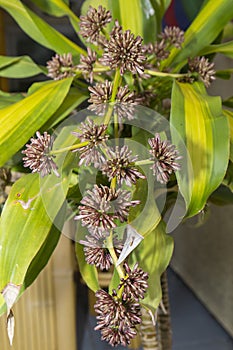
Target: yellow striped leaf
(20,120)
(229,115)
(38,29)
(198,120)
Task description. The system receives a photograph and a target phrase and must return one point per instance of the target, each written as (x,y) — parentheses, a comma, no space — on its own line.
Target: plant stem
(109,245)
(165,75)
(108,114)
(116,84)
(144,162)
(101,69)
(69,148)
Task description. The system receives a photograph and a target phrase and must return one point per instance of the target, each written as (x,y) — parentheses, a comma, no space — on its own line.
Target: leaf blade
(199,120)
(153,256)
(18,67)
(38,29)
(20,120)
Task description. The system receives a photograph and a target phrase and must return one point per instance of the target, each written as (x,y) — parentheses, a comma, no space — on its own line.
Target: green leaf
(229,115)
(23,231)
(95,4)
(57,8)
(30,224)
(43,255)
(38,29)
(115,281)
(145,216)
(143,21)
(224,194)
(7,99)
(228,102)
(210,21)
(225,48)
(39,261)
(228,180)
(88,272)
(73,99)
(199,121)
(18,67)
(20,121)
(224,73)
(153,255)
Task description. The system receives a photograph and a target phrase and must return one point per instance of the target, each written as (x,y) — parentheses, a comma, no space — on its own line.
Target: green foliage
(199,121)
(225,48)
(38,29)
(18,67)
(6,99)
(143,22)
(34,213)
(153,255)
(88,272)
(20,120)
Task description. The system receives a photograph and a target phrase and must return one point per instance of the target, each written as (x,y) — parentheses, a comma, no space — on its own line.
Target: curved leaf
(224,74)
(58,8)
(38,29)
(225,48)
(229,115)
(203,128)
(153,255)
(88,272)
(228,102)
(7,99)
(212,18)
(21,239)
(20,121)
(72,100)
(27,243)
(145,216)
(18,67)
(142,21)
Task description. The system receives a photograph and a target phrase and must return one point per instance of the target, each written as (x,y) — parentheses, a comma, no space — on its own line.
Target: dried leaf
(10,294)
(133,238)
(10,325)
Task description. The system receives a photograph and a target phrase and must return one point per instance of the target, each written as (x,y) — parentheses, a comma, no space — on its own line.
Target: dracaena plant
(150,131)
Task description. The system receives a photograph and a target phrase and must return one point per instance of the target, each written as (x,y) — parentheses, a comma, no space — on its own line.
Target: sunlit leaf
(199,121)
(22,119)
(73,99)
(38,29)
(21,239)
(143,22)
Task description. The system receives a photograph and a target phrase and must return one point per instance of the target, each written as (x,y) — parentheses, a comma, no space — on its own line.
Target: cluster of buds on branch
(119,55)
